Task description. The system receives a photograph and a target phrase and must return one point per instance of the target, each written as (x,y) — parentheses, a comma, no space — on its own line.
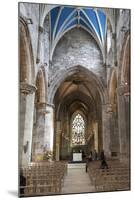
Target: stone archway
(27,71)
(82,89)
(61,75)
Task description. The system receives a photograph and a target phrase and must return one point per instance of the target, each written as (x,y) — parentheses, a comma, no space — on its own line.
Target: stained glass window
(78,130)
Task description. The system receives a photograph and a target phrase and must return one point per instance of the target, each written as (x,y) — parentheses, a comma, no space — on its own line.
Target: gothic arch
(83,100)
(60,77)
(27,71)
(109,17)
(126,62)
(124,74)
(41,93)
(83,28)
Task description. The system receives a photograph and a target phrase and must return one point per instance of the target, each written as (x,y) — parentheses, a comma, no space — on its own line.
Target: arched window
(78,130)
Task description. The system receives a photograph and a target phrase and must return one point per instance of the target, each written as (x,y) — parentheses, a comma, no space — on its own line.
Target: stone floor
(77,180)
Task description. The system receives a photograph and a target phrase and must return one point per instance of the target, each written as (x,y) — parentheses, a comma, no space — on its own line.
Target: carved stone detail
(109,108)
(41,29)
(26,88)
(123,90)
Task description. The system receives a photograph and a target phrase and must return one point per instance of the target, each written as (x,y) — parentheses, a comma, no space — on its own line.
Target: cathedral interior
(74,66)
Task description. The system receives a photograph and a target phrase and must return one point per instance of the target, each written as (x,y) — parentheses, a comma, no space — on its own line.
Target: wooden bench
(44,178)
(117,177)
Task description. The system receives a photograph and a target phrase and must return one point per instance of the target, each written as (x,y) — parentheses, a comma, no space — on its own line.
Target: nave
(74,98)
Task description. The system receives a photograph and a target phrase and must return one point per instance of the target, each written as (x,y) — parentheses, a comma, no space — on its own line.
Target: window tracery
(78,130)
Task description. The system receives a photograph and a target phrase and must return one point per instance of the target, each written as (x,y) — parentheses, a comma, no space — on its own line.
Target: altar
(77,156)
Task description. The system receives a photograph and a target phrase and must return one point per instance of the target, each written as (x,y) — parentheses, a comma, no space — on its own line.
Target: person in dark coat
(87,162)
(90,156)
(95,155)
(104,164)
(88,159)
(22,183)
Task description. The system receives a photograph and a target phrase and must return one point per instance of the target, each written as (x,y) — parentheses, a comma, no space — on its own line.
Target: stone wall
(123,25)
(31,11)
(77,47)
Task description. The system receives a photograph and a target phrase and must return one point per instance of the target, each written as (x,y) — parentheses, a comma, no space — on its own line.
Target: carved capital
(42,112)
(109,109)
(41,29)
(26,88)
(123,90)
(50,105)
(40,105)
(41,108)
(37,60)
(114,36)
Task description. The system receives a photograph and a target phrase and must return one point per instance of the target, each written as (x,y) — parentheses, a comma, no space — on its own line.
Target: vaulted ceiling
(65,18)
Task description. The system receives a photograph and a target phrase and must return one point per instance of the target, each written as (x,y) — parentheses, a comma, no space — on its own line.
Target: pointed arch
(125,71)
(60,77)
(41,93)
(124,62)
(27,71)
(57,40)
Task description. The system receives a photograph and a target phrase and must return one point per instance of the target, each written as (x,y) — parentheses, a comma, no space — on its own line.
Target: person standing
(95,155)
(90,156)
(104,164)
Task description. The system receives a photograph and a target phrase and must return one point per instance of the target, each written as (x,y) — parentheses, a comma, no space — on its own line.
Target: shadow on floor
(13,193)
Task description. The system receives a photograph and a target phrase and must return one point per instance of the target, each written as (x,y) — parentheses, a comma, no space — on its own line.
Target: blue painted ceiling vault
(64,18)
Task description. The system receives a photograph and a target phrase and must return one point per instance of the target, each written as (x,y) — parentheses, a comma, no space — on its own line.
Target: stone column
(40,41)
(49,127)
(58,133)
(106,129)
(96,136)
(27,94)
(39,128)
(127,108)
(124,131)
(68,135)
(114,136)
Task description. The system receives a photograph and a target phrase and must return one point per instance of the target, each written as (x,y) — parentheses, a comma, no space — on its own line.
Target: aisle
(77,180)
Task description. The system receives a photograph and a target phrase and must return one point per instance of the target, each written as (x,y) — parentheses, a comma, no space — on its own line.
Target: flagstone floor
(77,180)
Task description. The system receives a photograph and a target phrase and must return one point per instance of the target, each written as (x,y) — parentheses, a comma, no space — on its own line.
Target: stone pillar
(58,133)
(49,127)
(40,41)
(96,136)
(43,46)
(27,94)
(68,135)
(114,136)
(39,128)
(127,108)
(106,129)
(124,129)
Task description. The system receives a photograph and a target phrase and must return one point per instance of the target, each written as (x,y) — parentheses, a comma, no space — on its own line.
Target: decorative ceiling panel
(65,18)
